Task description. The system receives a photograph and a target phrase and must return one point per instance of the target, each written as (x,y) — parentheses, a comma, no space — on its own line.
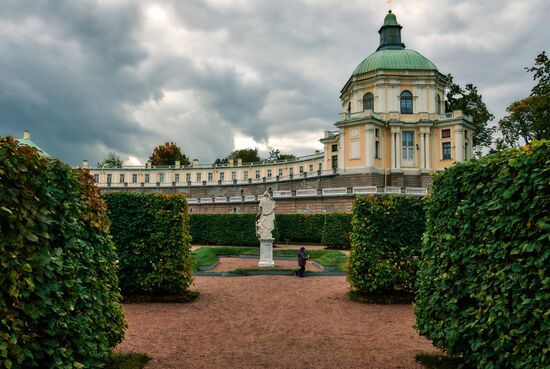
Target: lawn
(206,256)
(127,360)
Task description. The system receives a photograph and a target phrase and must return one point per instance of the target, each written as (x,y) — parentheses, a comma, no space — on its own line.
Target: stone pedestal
(266,253)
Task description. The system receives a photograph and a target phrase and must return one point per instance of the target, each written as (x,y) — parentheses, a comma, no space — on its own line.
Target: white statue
(266,223)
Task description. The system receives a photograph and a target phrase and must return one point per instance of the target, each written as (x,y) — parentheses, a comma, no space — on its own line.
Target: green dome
(396,60)
(390,19)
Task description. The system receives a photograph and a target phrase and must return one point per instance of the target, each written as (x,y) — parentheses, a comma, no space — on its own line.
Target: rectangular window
(109,178)
(407,147)
(377,132)
(301,169)
(161,177)
(466,151)
(445,133)
(222,176)
(257,174)
(134,178)
(446,146)
(377,150)
(334,162)
(290,171)
(199,177)
(334,147)
(320,167)
(187,177)
(210,176)
(466,134)
(146,178)
(233,175)
(121,178)
(269,174)
(354,150)
(177,177)
(245,175)
(311,167)
(96,178)
(280,172)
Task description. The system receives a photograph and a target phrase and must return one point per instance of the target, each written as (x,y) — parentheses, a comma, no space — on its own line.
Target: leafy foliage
(111,161)
(168,154)
(151,233)
(59,296)
(275,155)
(484,283)
(300,227)
(385,243)
(529,119)
(471,103)
(337,230)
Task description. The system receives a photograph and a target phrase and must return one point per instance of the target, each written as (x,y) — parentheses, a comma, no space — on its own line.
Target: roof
(395,60)
(28,142)
(390,20)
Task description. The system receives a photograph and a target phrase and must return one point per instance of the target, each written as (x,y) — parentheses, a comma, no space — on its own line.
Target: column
(459,144)
(341,150)
(369,147)
(424,148)
(396,148)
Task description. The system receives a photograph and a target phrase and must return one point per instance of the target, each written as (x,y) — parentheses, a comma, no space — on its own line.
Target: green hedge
(224,229)
(337,231)
(59,296)
(300,227)
(385,243)
(151,233)
(484,283)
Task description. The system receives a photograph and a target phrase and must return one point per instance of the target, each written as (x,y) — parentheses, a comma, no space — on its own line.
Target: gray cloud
(90,77)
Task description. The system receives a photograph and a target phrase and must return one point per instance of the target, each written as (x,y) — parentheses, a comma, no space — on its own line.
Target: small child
(302,260)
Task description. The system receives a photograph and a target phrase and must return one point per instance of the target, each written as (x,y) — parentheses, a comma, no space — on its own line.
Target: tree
(168,154)
(471,103)
(247,156)
(529,119)
(112,160)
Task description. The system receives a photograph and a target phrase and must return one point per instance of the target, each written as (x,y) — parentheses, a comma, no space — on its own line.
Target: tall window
(176,177)
(121,178)
(377,150)
(257,174)
(233,175)
(187,177)
(161,177)
(222,176)
(96,178)
(446,146)
(146,178)
(290,171)
(368,102)
(134,178)
(334,162)
(334,147)
(245,175)
(199,177)
(349,107)
(109,178)
(301,169)
(210,176)
(280,172)
(407,147)
(269,174)
(406,102)
(437,104)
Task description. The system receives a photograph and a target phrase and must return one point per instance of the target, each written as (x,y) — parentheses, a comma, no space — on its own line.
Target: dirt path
(228,264)
(273,322)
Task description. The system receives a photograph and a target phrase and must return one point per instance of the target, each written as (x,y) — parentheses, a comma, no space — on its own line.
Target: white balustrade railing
(220,199)
(335,191)
(192,200)
(392,190)
(282,194)
(416,191)
(235,199)
(206,200)
(250,198)
(366,190)
(306,192)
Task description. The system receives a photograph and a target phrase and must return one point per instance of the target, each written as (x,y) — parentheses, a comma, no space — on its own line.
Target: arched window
(437,104)
(368,102)
(406,102)
(349,107)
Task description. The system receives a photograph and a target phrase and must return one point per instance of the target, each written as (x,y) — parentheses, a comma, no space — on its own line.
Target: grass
(206,256)
(127,360)
(436,361)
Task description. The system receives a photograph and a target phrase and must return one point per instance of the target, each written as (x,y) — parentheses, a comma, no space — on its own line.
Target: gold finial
(389,3)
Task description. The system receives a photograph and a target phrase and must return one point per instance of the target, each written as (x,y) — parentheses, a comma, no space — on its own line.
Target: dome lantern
(390,34)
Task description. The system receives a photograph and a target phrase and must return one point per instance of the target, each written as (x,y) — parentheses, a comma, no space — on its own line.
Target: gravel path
(228,264)
(273,322)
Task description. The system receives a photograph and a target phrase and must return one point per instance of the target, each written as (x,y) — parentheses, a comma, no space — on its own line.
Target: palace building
(392,132)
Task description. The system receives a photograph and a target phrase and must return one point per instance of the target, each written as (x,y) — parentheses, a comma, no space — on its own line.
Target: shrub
(337,230)
(385,243)
(300,227)
(59,296)
(224,229)
(484,283)
(151,233)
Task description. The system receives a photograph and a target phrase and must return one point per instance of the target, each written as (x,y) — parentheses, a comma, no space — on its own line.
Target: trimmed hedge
(224,229)
(300,227)
(59,296)
(385,243)
(484,283)
(151,233)
(337,231)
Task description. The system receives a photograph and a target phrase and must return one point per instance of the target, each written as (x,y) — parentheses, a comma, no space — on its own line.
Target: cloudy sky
(89,77)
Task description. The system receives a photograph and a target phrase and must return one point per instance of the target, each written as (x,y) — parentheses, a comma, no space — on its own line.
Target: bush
(151,233)
(59,296)
(385,243)
(484,283)
(337,230)
(300,227)
(224,229)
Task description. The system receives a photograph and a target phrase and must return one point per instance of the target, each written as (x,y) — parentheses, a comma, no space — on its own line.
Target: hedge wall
(151,233)
(300,227)
(337,231)
(59,296)
(484,283)
(386,241)
(224,229)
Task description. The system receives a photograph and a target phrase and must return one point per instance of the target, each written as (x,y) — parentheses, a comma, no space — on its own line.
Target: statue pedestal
(266,253)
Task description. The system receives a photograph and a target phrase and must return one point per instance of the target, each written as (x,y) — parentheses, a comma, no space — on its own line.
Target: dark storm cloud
(88,77)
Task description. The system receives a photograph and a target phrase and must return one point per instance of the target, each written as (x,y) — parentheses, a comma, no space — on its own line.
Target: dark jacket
(302,258)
